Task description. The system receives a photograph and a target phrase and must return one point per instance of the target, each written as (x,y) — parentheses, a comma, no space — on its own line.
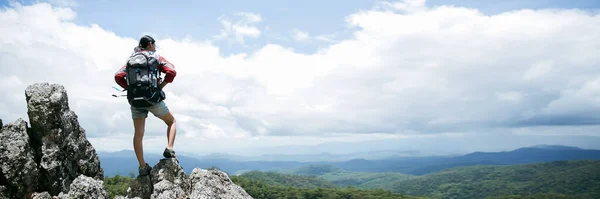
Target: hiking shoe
(169,153)
(144,171)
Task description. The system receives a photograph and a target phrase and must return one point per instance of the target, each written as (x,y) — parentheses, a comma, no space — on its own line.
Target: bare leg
(139,125)
(171,128)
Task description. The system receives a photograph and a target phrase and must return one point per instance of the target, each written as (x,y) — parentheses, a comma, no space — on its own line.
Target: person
(147,45)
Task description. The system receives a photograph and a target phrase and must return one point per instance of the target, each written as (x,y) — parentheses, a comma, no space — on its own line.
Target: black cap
(145,40)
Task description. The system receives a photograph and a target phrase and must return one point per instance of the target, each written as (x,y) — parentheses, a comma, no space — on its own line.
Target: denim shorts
(159,110)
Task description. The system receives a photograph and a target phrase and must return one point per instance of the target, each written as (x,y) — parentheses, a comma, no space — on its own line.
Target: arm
(120,77)
(169,70)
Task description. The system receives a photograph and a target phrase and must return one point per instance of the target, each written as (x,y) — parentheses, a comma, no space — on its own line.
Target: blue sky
(198,19)
(412,70)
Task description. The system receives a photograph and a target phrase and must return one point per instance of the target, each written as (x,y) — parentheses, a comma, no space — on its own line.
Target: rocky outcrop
(66,152)
(168,180)
(211,183)
(45,158)
(19,169)
(87,187)
(82,187)
(52,159)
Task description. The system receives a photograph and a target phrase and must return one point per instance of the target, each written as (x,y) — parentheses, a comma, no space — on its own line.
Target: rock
(119,197)
(4,193)
(140,187)
(52,159)
(60,196)
(3,190)
(43,195)
(18,169)
(59,140)
(169,179)
(208,184)
(167,190)
(87,187)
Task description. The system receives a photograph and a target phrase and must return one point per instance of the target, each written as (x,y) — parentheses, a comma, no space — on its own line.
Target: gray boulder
(168,180)
(60,141)
(17,164)
(214,184)
(43,195)
(87,187)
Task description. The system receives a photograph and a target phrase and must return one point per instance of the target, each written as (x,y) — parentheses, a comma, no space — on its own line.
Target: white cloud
(300,35)
(510,95)
(250,17)
(539,69)
(408,70)
(240,29)
(326,38)
(64,3)
(406,5)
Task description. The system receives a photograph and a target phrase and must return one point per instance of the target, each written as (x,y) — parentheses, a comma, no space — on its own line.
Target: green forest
(117,185)
(579,179)
(261,190)
(559,179)
(287,187)
(344,178)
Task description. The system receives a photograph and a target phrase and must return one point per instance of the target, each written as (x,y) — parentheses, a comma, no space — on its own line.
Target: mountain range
(125,163)
(556,179)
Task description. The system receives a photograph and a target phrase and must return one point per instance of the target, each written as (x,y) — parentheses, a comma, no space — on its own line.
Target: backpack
(142,80)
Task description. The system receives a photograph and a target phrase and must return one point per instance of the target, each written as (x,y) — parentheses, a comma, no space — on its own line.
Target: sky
(264,74)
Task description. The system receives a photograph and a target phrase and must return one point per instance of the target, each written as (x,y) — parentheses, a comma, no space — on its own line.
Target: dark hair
(146,40)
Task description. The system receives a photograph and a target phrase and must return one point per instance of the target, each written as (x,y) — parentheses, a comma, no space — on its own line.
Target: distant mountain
(315,170)
(427,146)
(424,165)
(556,179)
(314,157)
(124,162)
(555,147)
(118,154)
(562,179)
